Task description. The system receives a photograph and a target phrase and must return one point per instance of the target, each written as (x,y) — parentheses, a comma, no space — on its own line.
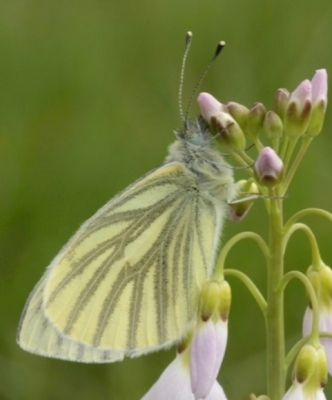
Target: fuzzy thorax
(193,149)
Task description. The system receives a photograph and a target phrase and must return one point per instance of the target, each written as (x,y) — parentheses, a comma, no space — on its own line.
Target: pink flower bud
(298,110)
(268,167)
(281,101)
(209,106)
(319,102)
(302,93)
(319,86)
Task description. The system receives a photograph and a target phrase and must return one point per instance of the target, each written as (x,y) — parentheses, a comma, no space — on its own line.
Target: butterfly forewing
(128,281)
(38,335)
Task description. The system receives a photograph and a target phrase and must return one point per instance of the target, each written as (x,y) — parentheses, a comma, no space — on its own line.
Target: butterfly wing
(128,281)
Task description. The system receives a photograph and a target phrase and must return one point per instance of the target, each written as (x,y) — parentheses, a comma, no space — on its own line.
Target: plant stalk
(276,369)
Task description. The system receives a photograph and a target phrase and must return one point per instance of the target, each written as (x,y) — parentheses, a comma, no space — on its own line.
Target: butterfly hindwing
(128,281)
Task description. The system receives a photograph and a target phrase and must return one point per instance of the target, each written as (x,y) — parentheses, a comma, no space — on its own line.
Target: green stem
(304,213)
(276,371)
(276,144)
(316,258)
(258,144)
(325,335)
(284,147)
(290,149)
(304,146)
(243,160)
(250,286)
(219,271)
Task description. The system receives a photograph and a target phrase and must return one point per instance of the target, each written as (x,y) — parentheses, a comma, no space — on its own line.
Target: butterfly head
(195,133)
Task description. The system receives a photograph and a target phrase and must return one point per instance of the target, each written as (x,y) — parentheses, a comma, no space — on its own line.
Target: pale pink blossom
(206,354)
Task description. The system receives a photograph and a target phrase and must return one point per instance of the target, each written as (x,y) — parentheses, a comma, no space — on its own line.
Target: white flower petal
(216,393)
(298,392)
(173,384)
(295,392)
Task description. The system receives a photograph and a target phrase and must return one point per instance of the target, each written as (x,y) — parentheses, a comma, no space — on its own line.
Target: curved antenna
(189,37)
(220,46)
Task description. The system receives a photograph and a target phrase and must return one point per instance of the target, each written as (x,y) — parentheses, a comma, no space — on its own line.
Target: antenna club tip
(189,37)
(220,46)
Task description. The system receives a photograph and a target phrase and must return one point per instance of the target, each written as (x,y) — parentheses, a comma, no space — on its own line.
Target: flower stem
(291,145)
(315,255)
(312,296)
(251,287)
(219,271)
(304,213)
(276,370)
(290,174)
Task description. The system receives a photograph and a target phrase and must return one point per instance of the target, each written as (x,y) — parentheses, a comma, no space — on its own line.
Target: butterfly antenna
(220,46)
(189,37)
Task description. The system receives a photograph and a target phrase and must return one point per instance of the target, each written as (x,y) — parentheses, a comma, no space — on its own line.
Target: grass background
(88,102)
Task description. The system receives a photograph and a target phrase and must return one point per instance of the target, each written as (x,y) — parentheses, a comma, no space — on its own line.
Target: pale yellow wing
(128,281)
(38,335)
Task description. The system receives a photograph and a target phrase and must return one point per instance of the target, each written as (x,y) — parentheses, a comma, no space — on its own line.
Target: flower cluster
(296,115)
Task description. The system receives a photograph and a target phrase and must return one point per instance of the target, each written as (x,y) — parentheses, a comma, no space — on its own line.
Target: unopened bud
(229,131)
(247,193)
(281,101)
(209,106)
(273,126)
(298,110)
(269,167)
(239,112)
(256,119)
(319,102)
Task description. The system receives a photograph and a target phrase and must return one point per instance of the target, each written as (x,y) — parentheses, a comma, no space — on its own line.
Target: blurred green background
(88,102)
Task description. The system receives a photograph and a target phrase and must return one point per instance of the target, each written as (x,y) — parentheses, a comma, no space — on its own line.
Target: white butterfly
(128,282)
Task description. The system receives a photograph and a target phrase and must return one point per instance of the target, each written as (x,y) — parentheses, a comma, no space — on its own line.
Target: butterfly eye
(195,139)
